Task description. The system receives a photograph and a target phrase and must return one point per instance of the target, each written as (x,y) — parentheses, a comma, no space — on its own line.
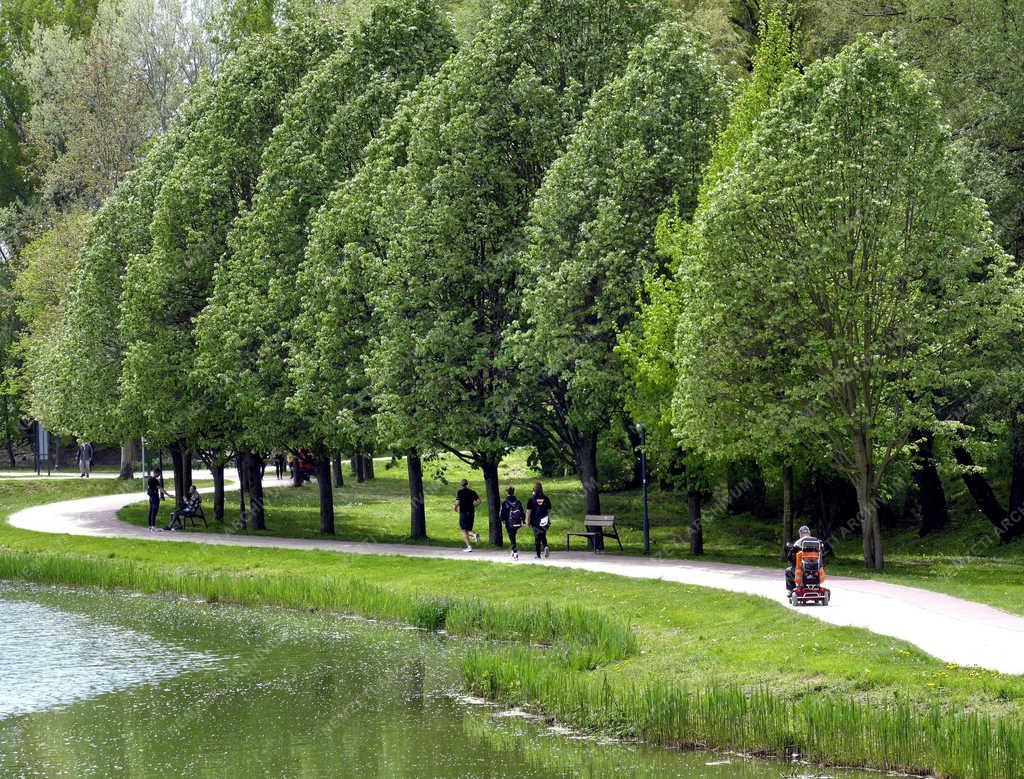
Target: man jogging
(466,501)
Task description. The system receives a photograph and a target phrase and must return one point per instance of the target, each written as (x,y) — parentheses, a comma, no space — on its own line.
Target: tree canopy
(838,275)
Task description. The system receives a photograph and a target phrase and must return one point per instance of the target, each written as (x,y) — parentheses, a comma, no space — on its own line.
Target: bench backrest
(599,520)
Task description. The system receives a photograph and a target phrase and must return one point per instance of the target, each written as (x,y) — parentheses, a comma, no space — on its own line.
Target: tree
(488,127)
(95,99)
(640,150)
(841,272)
(213,176)
(648,350)
(326,124)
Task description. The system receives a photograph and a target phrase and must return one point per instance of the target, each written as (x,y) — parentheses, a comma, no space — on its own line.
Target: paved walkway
(952,629)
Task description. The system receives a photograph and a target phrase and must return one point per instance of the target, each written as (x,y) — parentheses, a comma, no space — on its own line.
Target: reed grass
(824,729)
(580,638)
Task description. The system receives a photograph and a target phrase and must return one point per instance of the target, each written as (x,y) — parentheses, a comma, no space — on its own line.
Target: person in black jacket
(513,515)
(155,490)
(538,515)
(188,510)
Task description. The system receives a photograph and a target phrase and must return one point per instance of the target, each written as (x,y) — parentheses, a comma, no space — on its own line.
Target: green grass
(672,663)
(965,561)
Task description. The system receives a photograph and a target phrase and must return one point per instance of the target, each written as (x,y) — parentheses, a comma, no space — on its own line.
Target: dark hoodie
(507,515)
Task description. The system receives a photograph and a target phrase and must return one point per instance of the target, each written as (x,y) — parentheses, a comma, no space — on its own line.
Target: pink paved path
(952,629)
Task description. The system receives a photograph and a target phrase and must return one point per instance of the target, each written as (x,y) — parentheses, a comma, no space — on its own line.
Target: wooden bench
(597,527)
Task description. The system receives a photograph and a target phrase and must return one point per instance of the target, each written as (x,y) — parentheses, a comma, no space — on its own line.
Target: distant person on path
(538,515)
(279,465)
(155,490)
(84,460)
(188,510)
(466,501)
(513,515)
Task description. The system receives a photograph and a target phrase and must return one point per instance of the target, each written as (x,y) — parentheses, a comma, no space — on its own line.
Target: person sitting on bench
(188,510)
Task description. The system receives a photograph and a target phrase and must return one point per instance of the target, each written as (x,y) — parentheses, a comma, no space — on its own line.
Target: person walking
(466,501)
(155,490)
(538,515)
(513,515)
(84,460)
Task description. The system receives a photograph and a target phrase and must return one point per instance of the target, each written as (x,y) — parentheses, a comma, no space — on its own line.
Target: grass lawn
(688,638)
(965,561)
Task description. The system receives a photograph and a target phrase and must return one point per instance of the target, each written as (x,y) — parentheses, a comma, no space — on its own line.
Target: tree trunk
(178,465)
(323,480)
(417,509)
(871,530)
(934,514)
(127,459)
(254,486)
(10,451)
(1014,526)
(693,499)
(339,477)
(369,466)
(217,471)
(490,469)
(981,491)
(187,485)
(585,456)
(636,480)
(787,506)
(359,466)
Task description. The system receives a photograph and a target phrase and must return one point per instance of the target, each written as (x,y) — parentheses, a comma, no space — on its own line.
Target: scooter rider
(791,550)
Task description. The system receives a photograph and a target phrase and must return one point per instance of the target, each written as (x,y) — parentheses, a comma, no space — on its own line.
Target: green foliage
(839,274)
(214,175)
(648,350)
(484,133)
(640,149)
(244,332)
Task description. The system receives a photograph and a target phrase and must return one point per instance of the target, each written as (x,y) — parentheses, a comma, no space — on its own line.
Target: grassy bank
(965,561)
(669,663)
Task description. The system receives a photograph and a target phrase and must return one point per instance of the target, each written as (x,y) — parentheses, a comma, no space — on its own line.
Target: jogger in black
(538,514)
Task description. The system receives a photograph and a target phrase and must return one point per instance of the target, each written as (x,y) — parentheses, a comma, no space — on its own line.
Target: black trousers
(540,539)
(154,509)
(512,536)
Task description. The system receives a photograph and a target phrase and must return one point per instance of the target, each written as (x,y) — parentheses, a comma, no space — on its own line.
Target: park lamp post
(643,484)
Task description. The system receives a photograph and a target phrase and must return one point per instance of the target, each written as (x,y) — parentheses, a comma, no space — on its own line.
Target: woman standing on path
(155,490)
(538,515)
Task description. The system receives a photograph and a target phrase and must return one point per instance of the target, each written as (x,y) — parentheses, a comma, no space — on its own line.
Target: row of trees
(371,237)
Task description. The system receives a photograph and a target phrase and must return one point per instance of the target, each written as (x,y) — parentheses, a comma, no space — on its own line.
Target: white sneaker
(515,555)
(468,549)
(476,538)
(545,551)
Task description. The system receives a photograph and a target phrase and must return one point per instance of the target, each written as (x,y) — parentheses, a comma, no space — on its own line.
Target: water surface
(96,684)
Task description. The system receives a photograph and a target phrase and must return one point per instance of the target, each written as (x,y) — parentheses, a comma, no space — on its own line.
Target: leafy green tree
(214,176)
(327,123)
(333,336)
(839,273)
(648,351)
(488,128)
(640,149)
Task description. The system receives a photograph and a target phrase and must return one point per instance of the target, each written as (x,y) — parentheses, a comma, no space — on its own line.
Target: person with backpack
(538,515)
(466,501)
(513,516)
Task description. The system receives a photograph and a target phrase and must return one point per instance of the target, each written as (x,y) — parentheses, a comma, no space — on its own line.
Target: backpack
(515,514)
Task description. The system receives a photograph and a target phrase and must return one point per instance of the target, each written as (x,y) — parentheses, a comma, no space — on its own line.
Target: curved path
(951,629)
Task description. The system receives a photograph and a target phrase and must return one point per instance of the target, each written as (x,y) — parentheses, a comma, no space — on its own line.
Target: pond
(99,684)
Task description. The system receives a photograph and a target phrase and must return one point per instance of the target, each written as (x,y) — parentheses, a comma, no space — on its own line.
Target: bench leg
(619,542)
